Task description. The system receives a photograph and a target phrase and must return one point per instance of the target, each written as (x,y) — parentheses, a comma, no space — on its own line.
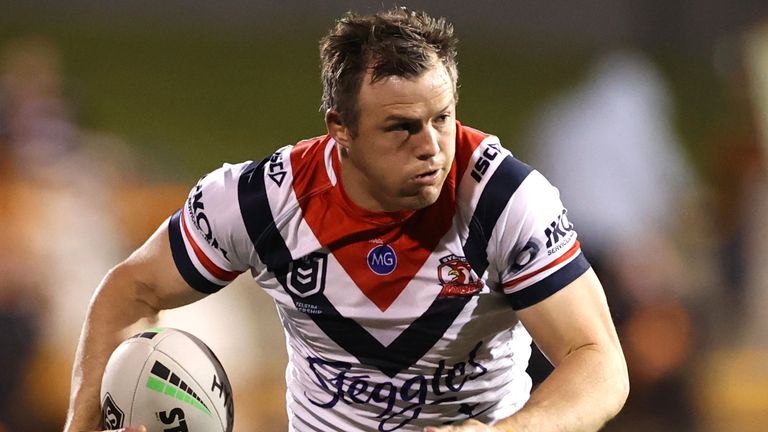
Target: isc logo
(484,162)
(276,168)
(171,418)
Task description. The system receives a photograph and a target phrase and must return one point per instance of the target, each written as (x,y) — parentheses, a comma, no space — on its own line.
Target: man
(409,256)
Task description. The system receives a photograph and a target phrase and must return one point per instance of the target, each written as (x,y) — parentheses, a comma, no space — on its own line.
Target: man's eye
(407,127)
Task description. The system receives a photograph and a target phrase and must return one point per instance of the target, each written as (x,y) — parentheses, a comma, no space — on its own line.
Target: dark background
(167,91)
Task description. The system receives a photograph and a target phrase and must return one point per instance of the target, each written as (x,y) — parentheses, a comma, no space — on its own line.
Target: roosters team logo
(456,277)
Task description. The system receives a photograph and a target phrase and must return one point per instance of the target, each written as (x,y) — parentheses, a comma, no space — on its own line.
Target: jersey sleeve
(209,243)
(538,251)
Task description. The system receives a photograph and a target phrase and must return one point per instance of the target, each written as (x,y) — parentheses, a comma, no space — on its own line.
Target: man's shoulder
(470,140)
(477,152)
(469,135)
(276,167)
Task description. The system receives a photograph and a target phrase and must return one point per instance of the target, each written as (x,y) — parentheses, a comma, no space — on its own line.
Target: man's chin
(420,199)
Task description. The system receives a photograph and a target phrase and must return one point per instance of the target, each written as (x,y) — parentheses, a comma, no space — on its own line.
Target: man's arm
(139,287)
(589,385)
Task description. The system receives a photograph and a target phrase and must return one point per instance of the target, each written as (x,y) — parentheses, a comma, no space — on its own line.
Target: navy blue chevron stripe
(497,192)
(408,347)
(258,219)
(183,263)
(404,351)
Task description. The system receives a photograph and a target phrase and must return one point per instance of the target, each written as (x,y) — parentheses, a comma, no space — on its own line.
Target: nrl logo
(306,275)
(456,277)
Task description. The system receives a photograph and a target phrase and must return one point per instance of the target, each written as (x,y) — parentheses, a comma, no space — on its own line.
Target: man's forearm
(585,390)
(114,307)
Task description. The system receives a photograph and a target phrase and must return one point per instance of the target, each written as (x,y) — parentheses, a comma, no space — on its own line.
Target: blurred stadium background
(655,113)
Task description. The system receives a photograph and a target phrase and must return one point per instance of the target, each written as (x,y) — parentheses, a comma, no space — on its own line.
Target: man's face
(405,141)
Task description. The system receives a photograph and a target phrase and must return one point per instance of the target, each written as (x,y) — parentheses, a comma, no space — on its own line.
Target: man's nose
(428,145)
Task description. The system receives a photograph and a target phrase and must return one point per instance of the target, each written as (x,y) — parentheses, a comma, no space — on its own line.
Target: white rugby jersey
(394,321)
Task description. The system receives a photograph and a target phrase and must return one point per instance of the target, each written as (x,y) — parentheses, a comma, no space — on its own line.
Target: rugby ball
(167,380)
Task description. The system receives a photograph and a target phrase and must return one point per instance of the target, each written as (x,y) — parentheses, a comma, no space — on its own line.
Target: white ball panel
(166,379)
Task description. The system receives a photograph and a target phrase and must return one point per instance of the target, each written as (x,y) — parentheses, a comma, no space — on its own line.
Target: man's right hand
(137,288)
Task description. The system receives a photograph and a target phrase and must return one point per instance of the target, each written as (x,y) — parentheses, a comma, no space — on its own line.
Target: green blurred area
(190,96)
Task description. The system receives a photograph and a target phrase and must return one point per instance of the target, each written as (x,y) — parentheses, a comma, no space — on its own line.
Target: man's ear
(337,129)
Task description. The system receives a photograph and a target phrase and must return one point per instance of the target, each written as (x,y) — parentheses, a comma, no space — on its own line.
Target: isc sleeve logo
(484,161)
(276,168)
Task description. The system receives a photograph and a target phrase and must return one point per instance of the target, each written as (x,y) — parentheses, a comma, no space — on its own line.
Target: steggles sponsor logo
(400,403)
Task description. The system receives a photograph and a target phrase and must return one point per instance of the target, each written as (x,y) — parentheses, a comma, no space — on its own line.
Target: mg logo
(382,260)
(111,415)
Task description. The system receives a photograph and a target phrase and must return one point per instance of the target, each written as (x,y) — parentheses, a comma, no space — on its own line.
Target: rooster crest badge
(456,277)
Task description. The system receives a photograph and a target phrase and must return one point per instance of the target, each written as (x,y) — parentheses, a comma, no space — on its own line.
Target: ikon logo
(196,209)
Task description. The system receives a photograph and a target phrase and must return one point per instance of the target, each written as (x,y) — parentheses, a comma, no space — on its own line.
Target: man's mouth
(427,178)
